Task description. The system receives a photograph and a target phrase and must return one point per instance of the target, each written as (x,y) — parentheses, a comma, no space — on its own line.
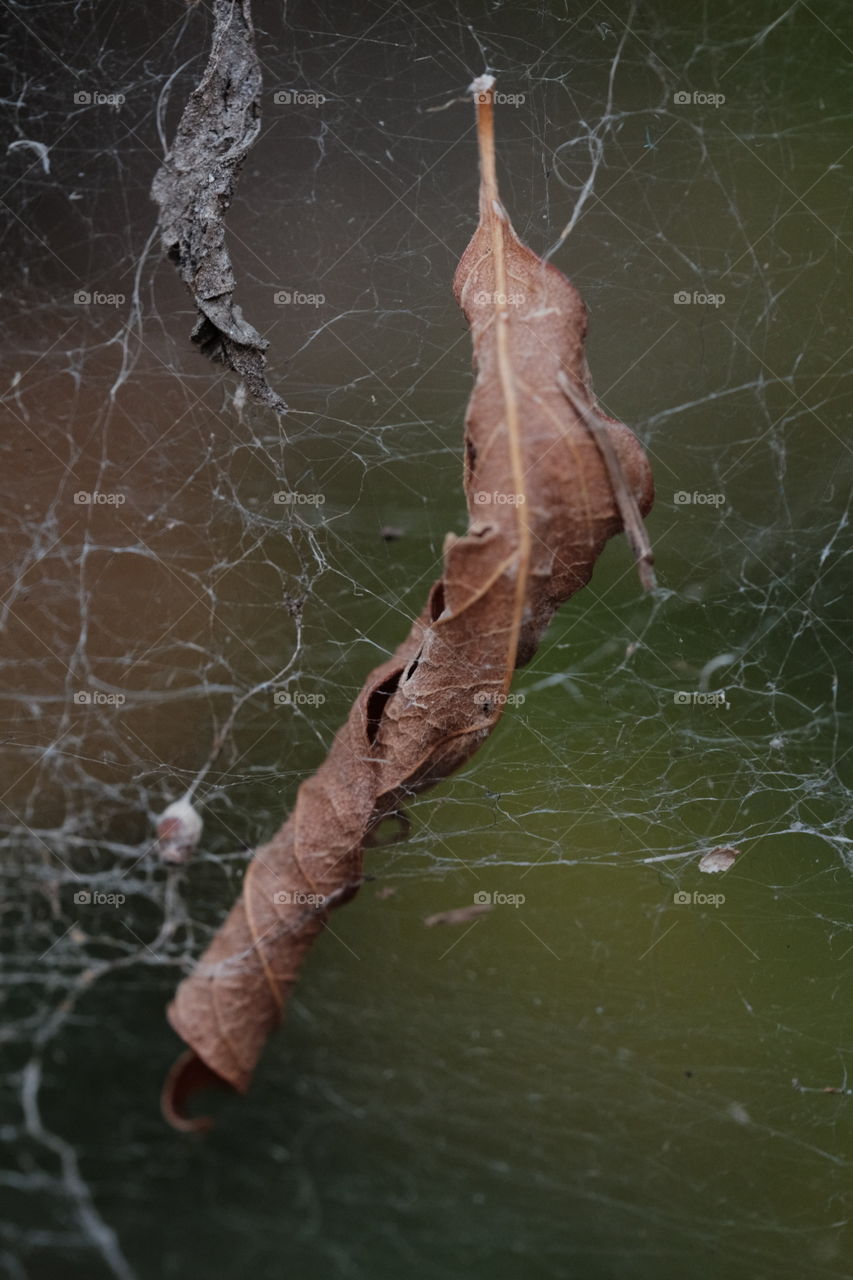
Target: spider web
(593,1081)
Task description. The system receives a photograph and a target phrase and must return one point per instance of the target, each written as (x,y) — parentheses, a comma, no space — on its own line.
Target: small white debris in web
(718,860)
(178,831)
(38,147)
(482,84)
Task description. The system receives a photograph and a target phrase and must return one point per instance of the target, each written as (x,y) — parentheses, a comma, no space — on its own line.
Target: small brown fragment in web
(457,915)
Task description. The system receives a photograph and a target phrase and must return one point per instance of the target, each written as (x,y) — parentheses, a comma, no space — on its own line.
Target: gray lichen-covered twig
(195,186)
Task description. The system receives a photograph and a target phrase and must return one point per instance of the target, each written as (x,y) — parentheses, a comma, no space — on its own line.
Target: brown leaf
(541,507)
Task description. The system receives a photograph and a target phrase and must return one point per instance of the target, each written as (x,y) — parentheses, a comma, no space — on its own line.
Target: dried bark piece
(541,507)
(195,187)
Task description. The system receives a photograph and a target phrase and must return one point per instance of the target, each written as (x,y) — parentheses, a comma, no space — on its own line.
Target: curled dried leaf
(541,507)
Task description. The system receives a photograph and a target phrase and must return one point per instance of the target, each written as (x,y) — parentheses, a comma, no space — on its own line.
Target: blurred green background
(596,1083)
